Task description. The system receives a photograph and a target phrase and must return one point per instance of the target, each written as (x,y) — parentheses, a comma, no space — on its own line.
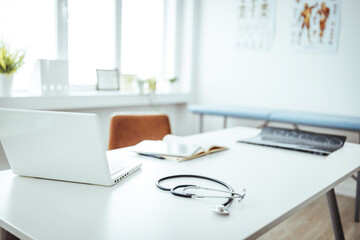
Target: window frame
(62,29)
(62,37)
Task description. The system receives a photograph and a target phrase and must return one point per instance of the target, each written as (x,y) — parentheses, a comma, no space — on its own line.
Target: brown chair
(128,130)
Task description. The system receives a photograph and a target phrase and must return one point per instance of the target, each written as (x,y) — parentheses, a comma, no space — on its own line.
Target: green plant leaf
(2,59)
(172,80)
(10,62)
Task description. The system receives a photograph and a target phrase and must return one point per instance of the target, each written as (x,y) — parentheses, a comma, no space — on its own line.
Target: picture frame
(107,79)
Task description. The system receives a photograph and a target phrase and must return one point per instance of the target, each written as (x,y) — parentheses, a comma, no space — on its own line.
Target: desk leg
(201,122)
(357,197)
(335,216)
(5,235)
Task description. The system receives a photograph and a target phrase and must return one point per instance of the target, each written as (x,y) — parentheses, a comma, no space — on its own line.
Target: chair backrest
(128,130)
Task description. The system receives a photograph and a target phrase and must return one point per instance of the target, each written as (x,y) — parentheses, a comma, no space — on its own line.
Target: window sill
(90,99)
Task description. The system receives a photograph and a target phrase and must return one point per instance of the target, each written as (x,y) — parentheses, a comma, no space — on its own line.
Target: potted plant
(172,82)
(151,84)
(126,81)
(141,85)
(10,62)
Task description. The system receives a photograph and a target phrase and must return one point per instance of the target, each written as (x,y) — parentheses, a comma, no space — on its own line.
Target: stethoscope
(220,209)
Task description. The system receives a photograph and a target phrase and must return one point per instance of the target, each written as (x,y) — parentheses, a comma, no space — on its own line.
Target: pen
(151,155)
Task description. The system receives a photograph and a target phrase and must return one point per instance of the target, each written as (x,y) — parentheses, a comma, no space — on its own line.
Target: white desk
(278,182)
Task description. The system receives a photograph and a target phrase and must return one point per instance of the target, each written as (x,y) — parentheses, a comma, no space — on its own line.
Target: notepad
(175,148)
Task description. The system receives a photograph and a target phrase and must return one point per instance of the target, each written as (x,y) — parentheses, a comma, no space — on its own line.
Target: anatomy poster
(315,25)
(256,24)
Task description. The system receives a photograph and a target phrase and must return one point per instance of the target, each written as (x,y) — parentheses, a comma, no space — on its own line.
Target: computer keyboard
(115,166)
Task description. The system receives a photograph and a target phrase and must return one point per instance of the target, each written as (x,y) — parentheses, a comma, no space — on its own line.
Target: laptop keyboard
(115,166)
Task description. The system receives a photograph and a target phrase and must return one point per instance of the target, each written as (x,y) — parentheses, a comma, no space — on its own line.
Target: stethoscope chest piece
(221,209)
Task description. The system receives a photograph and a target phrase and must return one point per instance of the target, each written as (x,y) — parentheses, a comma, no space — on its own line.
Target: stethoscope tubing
(189,195)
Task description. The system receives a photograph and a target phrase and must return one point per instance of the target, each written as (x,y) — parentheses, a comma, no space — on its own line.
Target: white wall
(279,78)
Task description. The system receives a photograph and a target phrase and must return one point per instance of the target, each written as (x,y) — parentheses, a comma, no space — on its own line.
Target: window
(29,25)
(142,38)
(87,34)
(91,39)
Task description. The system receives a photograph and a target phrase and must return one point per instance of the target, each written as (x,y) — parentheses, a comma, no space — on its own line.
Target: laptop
(61,146)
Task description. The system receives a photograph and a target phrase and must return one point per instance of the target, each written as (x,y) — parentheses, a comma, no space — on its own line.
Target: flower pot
(174,87)
(6,82)
(152,86)
(141,86)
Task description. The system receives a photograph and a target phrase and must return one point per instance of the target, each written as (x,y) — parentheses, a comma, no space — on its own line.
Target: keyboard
(115,166)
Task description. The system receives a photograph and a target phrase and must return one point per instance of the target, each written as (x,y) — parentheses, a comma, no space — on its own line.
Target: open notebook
(175,148)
